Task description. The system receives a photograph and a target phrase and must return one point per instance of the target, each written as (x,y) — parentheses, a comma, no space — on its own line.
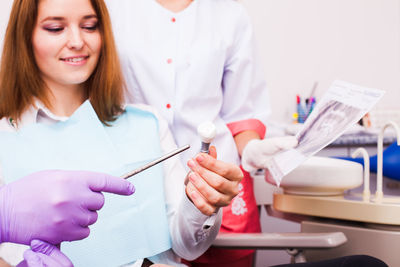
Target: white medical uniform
(189,228)
(195,65)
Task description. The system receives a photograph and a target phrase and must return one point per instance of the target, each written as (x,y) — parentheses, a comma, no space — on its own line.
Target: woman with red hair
(61,107)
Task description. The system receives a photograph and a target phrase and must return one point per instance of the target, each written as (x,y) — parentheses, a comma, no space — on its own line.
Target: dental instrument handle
(379,191)
(207,132)
(205,147)
(366,191)
(154,162)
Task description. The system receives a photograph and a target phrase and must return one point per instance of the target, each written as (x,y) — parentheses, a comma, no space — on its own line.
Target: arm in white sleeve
(191,231)
(245,92)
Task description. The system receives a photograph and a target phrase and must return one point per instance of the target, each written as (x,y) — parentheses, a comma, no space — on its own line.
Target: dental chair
(294,243)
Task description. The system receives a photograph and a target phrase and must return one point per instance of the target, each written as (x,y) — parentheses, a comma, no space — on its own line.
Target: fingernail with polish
(193,195)
(200,158)
(191,163)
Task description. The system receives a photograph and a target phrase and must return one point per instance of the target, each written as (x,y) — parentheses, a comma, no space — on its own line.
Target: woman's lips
(75,60)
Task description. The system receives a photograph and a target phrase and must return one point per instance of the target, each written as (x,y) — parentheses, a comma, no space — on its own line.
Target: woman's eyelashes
(53,29)
(90,27)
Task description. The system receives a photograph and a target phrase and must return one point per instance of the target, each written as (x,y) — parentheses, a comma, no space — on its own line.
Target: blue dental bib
(129,227)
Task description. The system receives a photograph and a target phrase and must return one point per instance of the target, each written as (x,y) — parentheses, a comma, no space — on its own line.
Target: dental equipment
(207,132)
(154,162)
(379,181)
(366,191)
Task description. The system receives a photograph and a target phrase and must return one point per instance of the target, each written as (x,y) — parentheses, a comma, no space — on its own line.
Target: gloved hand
(54,206)
(257,152)
(43,254)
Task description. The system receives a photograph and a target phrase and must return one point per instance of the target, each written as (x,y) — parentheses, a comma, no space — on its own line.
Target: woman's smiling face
(66,41)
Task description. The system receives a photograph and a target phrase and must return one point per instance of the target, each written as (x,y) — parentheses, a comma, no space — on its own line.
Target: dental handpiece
(154,162)
(207,132)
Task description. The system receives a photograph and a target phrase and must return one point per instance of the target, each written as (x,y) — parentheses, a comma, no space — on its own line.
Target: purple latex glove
(55,206)
(43,254)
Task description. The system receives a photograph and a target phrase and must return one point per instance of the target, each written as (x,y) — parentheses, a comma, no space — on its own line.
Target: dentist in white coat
(195,61)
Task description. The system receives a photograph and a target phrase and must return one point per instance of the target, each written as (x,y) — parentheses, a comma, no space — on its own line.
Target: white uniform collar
(43,113)
(171,13)
(35,113)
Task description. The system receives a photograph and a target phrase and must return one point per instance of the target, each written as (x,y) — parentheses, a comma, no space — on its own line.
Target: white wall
(302,41)
(5,7)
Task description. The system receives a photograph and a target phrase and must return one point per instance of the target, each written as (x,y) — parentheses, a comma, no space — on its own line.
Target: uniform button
(168,105)
(169,61)
(173,19)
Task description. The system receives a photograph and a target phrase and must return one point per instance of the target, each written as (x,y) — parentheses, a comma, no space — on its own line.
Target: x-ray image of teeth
(333,117)
(343,105)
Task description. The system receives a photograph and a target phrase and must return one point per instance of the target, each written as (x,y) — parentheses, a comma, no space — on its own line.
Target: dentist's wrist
(249,153)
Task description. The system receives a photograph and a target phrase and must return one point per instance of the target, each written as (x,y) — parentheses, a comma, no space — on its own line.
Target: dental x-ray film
(343,105)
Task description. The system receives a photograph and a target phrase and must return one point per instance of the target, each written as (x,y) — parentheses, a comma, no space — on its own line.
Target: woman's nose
(75,40)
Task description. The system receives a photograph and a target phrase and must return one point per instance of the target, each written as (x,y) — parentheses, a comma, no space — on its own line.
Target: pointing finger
(107,183)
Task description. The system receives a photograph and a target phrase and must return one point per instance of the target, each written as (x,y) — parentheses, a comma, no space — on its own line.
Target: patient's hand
(212,183)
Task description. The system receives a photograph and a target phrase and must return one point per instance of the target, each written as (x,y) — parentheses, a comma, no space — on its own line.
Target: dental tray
(346,207)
